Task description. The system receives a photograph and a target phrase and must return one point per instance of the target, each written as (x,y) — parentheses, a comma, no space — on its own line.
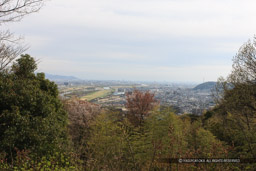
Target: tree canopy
(31,115)
(139,104)
(244,63)
(233,119)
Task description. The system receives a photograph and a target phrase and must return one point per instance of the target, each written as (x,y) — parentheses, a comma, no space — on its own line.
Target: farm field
(71,89)
(97,94)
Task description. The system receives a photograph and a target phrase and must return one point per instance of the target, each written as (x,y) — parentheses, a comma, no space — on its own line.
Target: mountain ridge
(60,77)
(205,86)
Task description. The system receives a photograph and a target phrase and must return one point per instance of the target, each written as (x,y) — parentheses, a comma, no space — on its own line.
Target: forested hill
(60,77)
(206,86)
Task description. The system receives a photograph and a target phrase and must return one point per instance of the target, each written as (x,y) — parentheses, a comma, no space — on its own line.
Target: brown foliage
(139,104)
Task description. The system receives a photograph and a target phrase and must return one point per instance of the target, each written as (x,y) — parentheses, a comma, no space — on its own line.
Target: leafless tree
(10,48)
(10,11)
(14,10)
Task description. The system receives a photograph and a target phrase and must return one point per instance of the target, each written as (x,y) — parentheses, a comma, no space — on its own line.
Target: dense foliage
(80,114)
(41,132)
(139,104)
(119,145)
(233,120)
(31,115)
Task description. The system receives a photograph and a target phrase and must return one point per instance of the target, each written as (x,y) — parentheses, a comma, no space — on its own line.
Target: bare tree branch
(10,48)
(15,10)
(10,11)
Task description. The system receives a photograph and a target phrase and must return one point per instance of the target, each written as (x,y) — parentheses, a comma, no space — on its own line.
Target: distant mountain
(206,86)
(60,77)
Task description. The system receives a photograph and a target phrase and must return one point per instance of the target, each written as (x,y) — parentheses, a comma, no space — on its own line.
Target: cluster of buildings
(186,100)
(183,99)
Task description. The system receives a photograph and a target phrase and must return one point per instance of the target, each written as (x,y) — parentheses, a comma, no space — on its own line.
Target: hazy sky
(154,40)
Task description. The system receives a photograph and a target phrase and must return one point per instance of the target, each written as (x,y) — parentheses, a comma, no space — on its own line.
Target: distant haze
(147,40)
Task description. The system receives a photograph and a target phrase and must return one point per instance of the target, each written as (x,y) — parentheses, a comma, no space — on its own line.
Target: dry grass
(97,94)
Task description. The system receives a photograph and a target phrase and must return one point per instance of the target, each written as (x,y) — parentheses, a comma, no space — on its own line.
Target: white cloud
(139,39)
(189,18)
(37,41)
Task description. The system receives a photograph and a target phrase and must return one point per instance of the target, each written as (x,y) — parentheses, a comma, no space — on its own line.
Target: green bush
(31,115)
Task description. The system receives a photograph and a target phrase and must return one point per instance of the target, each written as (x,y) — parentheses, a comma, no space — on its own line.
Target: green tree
(109,147)
(244,64)
(233,120)
(31,115)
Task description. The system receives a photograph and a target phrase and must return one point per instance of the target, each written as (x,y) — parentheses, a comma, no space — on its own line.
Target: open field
(97,94)
(69,89)
(80,93)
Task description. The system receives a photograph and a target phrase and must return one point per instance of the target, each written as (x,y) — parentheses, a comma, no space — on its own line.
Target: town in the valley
(183,98)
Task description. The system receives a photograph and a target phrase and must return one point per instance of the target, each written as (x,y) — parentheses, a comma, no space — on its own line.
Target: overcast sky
(147,40)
